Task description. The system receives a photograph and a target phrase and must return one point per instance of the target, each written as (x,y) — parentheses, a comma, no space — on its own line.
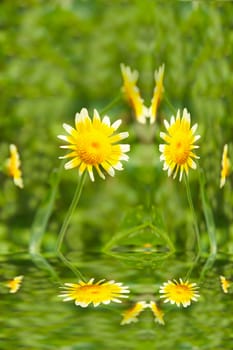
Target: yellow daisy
(13,166)
(158,313)
(178,154)
(132,93)
(225,166)
(179,292)
(93,145)
(131,314)
(157,95)
(100,292)
(14,284)
(225,284)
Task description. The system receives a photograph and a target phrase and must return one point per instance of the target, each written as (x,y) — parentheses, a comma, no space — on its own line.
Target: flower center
(93,147)
(180,148)
(181,293)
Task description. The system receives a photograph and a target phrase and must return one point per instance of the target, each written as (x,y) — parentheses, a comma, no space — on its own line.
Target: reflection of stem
(65,225)
(196,229)
(70,211)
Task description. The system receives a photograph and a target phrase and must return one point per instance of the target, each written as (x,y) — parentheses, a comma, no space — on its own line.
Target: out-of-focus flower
(178,154)
(225,171)
(93,144)
(179,292)
(100,292)
(225,284)
(132,93)
(158,313)
(13,166)
(131,315)
(157,95)
(14,284)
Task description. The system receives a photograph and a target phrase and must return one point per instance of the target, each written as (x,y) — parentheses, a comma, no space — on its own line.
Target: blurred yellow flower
(179,292)
(14,284)
(158,313)
(132,93)
(157,95)
(177,154)
(131,314)
(100,292)
(225,284)
(225,171)
(13,166)
(93,145)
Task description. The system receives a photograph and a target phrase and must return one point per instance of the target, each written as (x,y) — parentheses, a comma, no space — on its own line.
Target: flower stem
(169,104)
(208,216)
(111,104)
(196,229)
(70,211)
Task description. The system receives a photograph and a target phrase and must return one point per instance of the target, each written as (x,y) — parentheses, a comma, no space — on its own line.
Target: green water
(35,318)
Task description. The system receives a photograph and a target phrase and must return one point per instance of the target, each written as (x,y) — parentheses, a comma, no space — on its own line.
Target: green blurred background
(59,56)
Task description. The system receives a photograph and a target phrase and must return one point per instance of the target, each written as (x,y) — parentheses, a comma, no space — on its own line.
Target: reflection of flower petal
(131,314)
(14,284)
(100,292)
(158,313)
(179,292)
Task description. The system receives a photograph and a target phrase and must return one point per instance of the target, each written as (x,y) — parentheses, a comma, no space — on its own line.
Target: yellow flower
(158,313)
(13,166)
(225,166)
(225,284)
(177,154)
(132,93)
(131,314)
(14,284)
(179,292)
(93,145)
(101,292)
(157,95)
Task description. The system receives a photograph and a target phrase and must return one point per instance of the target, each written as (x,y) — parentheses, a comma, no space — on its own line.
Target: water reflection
(35,318)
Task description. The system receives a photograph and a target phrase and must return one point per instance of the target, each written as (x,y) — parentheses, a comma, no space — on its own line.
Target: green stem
(196,229)
(70,211)
(169,104)
(111,104)
(208,216)
(65,225)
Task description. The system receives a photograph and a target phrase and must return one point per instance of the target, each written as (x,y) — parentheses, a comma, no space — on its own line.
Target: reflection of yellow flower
(93,144)
(177,153)
(225,284)
(101,292)
(225,166)
(131,314)
(179,292)
(132,93)
(13,166)
(14,284)
(157,95)
(158,313)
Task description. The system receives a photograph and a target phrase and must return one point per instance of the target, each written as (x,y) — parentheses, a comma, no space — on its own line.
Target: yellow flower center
(180,293)
(93,147)
(180,148)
